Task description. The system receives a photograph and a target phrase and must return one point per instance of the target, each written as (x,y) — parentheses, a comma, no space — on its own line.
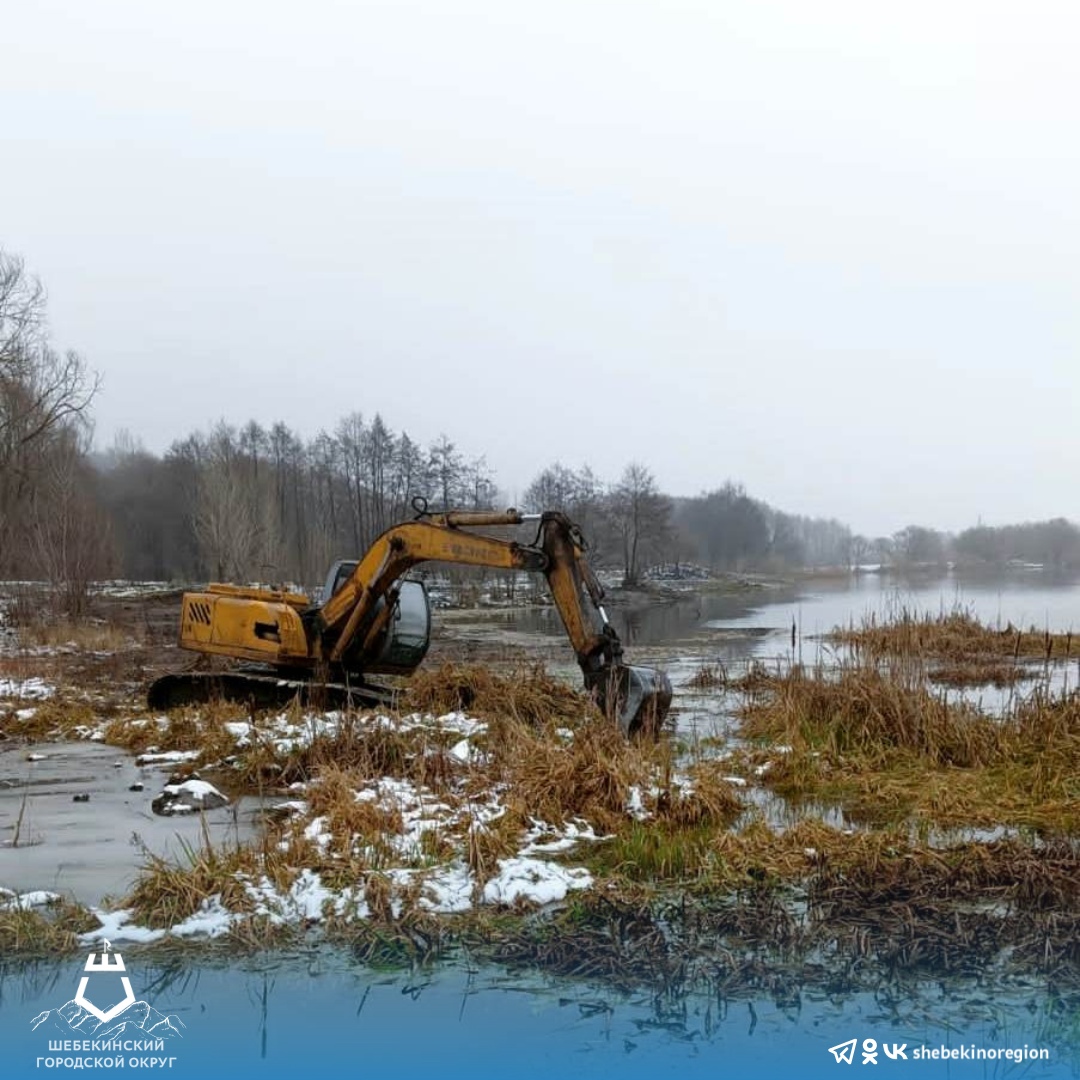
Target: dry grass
(703,799)
(870,736)
(366,746)
(982,672)
(199,728)
(588,777)
(487,843)
(763,909)
(887,749)
(592,776)
(803,893)
(384,941)
(708,677)
(88,635)
(359,830)
(957,636)
(528,695)
(957,909)
(864,712)
(55,718)
(758,678)
(543,771)
(168,892)
(48,932)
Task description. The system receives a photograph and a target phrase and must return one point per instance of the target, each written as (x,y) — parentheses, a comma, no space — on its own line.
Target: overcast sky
(831,250)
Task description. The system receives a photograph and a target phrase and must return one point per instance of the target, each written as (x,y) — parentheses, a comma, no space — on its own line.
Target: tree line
(255,503)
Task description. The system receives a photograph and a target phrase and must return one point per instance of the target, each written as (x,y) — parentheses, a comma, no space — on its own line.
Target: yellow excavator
(374,621)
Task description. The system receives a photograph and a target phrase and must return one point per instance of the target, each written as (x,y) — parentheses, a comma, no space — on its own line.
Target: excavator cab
(407,632)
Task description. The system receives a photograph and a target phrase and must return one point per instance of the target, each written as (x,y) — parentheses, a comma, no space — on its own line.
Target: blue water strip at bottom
(298,1016)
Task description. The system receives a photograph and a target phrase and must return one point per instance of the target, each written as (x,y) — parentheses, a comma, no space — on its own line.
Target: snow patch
(33,689)
(444,891)
(199,790)
(463,751)
(212,920)
(317,833)
(24,901)
(522,878)
(635,804)
(116,926)
(573,833)
(166,757)
(304,902)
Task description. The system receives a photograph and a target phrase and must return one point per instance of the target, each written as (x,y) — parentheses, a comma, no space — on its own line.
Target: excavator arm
(638,697)
(350,632)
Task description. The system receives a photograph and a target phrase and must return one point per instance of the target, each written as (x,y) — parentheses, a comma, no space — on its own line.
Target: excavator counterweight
(373,620)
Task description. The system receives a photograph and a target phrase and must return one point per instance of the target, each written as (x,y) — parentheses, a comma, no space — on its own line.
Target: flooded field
(92,849)
(790,881)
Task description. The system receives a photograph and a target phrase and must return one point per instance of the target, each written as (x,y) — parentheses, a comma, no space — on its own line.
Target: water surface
(285,1015)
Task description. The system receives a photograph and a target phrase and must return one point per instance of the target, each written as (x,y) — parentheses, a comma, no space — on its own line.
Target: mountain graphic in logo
(80,1016)
(139,1018)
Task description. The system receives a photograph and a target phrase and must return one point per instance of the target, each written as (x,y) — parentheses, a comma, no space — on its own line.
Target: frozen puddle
(88,850)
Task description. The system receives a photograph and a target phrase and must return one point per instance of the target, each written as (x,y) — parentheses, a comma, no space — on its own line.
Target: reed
(955,635)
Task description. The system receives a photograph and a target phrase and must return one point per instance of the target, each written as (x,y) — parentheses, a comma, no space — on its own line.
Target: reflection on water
(679,620)
(284,1014)
(817,606)
(785,624)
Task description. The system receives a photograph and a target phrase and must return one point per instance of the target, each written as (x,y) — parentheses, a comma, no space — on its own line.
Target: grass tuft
(53,931)
(529,696)
(956,635)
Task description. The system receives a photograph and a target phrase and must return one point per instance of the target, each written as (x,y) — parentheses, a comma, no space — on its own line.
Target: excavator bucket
(637,698)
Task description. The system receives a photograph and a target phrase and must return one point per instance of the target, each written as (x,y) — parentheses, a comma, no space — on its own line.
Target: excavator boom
(375,621)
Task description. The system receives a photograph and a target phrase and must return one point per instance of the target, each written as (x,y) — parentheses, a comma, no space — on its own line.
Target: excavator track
(259,689)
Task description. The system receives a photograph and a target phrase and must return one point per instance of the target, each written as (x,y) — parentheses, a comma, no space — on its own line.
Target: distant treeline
(255,503)
(1053,545)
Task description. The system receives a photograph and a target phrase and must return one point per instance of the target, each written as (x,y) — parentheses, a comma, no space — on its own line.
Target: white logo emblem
(109,966)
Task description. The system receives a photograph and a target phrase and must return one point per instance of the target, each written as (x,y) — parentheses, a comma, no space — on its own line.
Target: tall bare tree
(350,437)
(379,455)
(445,470)
(410,476)
(44,400)
(227,515)
(641,516)
(69,527)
